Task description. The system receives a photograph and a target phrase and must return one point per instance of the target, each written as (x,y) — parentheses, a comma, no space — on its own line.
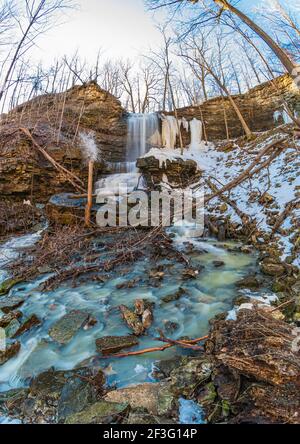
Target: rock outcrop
(257,106)
(55,121)
(176,172)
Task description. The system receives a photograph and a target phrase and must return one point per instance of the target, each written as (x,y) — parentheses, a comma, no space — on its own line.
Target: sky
(122,28)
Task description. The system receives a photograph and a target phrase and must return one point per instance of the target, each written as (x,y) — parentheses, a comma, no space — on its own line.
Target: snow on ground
(280,182)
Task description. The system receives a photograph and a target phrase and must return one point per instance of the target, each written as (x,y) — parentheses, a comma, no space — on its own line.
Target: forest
(149,212)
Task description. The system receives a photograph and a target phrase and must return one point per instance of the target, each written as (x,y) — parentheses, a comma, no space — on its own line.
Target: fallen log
(290,206)
(244,217)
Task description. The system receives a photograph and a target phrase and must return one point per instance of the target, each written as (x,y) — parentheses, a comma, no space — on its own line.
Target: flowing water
(207,295)
(210,293)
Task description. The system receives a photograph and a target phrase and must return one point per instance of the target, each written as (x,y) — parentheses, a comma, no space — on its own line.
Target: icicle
(169,131)
(196,133)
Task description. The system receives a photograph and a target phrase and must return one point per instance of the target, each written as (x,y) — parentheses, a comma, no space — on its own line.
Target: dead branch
(251,170)
(290,206)
(156,349)
(244,217)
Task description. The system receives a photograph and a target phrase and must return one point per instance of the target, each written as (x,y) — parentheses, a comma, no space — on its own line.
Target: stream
(210,293)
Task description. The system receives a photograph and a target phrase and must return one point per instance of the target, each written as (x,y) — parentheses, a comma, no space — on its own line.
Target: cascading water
(143,133)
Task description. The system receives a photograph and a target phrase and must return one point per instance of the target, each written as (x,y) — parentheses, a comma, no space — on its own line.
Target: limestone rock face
(178,172)
(55,120)
(257,107)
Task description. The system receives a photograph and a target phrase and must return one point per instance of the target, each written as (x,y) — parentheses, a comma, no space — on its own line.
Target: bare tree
(33,20)
(197,55)
(215,9)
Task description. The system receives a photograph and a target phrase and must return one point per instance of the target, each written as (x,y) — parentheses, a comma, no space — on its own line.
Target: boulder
(76,395)
(48,385)
(101,412)
(178,172)
(9,352)
(272,267)
(66,327)
(155,398)
(113,344)
(189,375)
(10,303)
(248,282)
(174,296)
(67,209)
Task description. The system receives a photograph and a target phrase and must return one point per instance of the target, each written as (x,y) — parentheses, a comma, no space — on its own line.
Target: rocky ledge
(55,122)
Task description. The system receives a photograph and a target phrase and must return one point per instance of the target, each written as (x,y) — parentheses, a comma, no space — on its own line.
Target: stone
(173,296)
(65,328)
(12,328)
(155,398)
(171,326)
(113,344)
(76,395)
(218,264)
(132,320)
(248,282)
(8,318)
(191,273)
(10,303)
(29,323)
(271,267)
(7,285)
(48,384)
(162,369)
(177,171)
(101,412)
(10,351)
(186,377)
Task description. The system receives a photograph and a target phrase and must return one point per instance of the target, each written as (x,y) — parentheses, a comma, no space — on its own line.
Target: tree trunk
(287,62)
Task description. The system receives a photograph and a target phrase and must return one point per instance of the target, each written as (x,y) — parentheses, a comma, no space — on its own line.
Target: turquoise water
(207,295)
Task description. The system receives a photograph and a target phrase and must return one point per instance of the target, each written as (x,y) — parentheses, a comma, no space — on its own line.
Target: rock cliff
(257,106)
(55,121)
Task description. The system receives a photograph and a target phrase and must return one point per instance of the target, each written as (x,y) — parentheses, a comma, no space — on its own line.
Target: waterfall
(143,134)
